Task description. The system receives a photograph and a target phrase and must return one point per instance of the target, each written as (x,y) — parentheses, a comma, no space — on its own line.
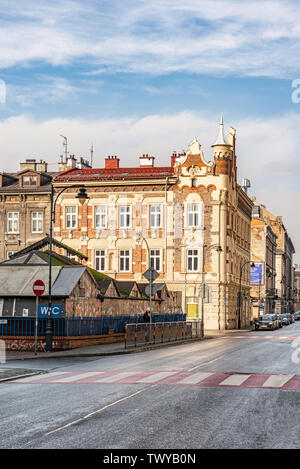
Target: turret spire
(221,140)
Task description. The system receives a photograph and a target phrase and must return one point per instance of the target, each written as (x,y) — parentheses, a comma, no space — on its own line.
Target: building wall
(226,215)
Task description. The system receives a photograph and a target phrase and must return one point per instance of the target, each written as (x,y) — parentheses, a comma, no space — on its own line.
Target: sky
(136,76)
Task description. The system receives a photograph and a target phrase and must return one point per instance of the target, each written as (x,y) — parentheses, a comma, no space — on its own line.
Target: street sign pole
(36,323)
(38,290)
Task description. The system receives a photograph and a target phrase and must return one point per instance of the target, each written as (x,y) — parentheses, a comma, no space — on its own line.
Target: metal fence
(76,326)
(162,332)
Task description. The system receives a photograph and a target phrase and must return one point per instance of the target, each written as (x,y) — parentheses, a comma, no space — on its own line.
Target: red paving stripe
(255,380)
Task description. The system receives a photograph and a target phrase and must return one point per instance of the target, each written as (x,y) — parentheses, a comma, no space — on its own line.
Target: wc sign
(43,311)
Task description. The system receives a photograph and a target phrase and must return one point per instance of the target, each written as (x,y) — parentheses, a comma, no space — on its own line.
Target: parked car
(297,315)
(284,319)
(291,317)
(278,319)
(267,322)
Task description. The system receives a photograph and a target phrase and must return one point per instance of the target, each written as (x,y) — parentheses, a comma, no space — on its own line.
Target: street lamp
(141,237)
(204,249)
(82,197)
(240,289)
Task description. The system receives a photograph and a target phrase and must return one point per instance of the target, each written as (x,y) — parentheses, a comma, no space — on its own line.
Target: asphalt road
(186,406)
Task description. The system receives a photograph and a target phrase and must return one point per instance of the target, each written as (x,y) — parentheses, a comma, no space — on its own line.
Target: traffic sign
(155,288)
(148,275)
(38,287)
(43,311)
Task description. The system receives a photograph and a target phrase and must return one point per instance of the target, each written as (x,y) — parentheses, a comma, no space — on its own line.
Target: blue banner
(256,274)
(43,311)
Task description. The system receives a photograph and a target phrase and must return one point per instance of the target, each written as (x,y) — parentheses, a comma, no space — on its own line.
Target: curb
(12,378)
(121,352)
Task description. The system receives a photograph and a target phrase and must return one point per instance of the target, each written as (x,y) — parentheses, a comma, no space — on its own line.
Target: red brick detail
(112,162)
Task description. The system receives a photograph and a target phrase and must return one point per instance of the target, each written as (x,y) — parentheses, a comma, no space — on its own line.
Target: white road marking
(234,380)
(78,377)
(113,378)
(277,381)
(157,377)
(42,376)
(195,378)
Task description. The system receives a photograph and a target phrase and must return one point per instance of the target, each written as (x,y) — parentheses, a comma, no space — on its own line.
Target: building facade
(263,255)
(296,287)
(283,288)
(190,221)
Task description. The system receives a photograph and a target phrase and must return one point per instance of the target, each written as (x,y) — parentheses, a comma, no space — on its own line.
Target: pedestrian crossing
(169,377)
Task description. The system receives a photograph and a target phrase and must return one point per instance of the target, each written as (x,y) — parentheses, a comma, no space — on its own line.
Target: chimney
(42,166)
(71,162)
(29,164)
(146,161)
(112,162)
(173,158)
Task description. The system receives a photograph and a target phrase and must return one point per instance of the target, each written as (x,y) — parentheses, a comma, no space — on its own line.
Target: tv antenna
(65,145)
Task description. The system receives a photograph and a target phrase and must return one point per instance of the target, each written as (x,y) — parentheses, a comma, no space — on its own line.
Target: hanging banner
(256,274)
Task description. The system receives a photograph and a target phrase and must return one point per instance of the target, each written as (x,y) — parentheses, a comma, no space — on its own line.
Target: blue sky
(148,76)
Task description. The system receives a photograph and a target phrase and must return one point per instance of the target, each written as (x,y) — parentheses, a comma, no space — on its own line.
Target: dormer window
(29,180)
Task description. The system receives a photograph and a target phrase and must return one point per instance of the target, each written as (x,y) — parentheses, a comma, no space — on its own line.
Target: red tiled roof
(115,173)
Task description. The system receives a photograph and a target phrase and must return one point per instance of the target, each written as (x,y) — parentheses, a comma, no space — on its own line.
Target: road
(239,391)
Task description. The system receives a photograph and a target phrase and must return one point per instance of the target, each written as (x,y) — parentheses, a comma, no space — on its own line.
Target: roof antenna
(92,154)
(65,145)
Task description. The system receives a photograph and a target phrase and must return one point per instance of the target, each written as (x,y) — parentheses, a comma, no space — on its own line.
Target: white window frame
(123,216)
(14,218)
(101,258)
(125,257)
(100,212)
(155,215)
(193,255)
(70,216)
(194,215)
(156,257)
(36,219)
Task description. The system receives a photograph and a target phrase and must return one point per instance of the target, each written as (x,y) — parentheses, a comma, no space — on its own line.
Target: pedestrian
(146,316)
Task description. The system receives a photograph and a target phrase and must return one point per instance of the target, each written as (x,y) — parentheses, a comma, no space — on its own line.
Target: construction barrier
(160,332)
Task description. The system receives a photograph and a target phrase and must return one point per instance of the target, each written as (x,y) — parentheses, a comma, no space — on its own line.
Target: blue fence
(68,327)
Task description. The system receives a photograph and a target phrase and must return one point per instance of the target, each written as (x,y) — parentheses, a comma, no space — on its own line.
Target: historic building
(189,220)
(296,282)
(263,255)
(25,203)
(279,290)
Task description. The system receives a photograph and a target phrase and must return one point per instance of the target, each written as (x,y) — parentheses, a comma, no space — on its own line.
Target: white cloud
(257,38)
(267,149)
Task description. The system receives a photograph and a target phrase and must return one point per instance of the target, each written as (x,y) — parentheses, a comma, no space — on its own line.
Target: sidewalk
(96,351)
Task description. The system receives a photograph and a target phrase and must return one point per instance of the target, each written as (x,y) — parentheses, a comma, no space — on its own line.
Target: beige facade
(174,218)
(277,290)
(263,255)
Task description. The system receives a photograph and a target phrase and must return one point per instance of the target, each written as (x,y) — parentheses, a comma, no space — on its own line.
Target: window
(193,260)
(124,260)
(36,222)
(100,216)
(10,253)
(125,216)
(155,216)
(100,260)
(29,180)
(194,215)
(155,259)
(71,217)
(13,222)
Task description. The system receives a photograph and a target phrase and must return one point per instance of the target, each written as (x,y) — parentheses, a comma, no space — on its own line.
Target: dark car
(297,315)
(278,319)
(267,322)
(284,319)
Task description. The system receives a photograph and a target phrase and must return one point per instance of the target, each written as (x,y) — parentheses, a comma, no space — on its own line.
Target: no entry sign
(38,287)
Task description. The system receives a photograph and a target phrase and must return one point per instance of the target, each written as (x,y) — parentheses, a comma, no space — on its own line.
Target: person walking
(146,319)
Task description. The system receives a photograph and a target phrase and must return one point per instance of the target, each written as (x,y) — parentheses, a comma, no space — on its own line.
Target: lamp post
(82,197)
(141,237)
(240,290)
(204,249)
